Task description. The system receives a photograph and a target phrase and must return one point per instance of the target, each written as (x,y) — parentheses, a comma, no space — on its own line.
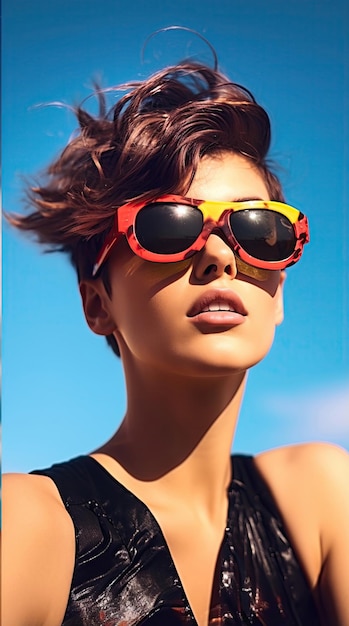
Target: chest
(128,573)
(195,549)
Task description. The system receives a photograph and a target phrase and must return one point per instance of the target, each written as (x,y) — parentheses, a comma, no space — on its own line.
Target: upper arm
(310,483)
(333,475)
(37,552)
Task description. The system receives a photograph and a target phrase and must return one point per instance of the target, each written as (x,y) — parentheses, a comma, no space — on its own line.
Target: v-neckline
(215,592)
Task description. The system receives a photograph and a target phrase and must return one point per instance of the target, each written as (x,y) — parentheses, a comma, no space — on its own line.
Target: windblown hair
(149,143)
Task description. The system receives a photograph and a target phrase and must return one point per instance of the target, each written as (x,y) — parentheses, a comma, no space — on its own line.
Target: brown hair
(148,143)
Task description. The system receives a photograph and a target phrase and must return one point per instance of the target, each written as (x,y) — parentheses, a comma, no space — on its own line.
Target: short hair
(149,143)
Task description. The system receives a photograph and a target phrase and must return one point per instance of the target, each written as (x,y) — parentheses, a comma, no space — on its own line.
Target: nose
(214,260)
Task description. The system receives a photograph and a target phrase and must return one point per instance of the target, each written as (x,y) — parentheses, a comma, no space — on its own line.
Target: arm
(38,552)
(333,586)
(310,483)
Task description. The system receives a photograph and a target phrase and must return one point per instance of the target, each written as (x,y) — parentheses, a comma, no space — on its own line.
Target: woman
(180,236)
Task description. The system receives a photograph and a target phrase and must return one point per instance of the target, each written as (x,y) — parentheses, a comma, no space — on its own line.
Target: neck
(180,430)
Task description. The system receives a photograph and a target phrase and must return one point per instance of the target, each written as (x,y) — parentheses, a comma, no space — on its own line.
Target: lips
(218,307)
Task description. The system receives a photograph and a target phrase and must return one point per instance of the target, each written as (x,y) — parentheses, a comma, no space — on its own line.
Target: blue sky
(63,391)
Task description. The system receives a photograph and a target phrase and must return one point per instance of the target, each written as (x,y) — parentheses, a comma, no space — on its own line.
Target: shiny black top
(124,574)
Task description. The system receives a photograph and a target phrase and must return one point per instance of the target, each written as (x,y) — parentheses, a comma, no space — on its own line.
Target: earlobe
(96,309)
(279,300)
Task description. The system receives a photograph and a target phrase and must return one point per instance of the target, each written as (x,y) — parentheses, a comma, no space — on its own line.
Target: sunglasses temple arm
(302,229)
(108,245)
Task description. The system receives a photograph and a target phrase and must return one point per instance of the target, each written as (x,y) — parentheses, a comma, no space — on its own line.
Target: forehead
(227,177)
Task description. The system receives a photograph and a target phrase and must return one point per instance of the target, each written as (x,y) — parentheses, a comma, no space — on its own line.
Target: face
(209,315)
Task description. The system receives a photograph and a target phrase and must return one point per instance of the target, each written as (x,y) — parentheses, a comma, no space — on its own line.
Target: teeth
(218,306)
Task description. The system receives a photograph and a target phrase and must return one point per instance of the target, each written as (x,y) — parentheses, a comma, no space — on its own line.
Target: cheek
(264,322)
(147,305)
(152,276)
(262,303)
(255,273)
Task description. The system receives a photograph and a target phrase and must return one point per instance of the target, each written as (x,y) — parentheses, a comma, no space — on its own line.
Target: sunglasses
(264,234)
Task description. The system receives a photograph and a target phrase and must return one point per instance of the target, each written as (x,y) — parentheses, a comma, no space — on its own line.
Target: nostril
(228,269)
(210,268)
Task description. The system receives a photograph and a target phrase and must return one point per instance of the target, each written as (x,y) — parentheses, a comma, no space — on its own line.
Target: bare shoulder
(308,460)
(310,484)
(313,475)
(38,551)
(33,503)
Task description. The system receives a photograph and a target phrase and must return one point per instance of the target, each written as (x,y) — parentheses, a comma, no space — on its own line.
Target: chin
(220,359)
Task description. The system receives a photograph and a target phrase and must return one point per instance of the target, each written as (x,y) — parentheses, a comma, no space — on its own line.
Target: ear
(279,300)
(97,307)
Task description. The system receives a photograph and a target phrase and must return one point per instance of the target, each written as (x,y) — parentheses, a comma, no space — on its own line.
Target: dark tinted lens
(168,227)
(264,234)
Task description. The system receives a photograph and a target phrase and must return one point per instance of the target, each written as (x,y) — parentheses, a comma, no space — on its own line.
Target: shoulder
(315,475)
(310,484)
(38,551)
(34,497)
(322,468)
(325,457)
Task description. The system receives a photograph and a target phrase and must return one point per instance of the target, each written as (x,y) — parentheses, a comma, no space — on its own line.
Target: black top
(124,574)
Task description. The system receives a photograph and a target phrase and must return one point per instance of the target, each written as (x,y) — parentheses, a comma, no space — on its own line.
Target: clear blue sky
(63,390)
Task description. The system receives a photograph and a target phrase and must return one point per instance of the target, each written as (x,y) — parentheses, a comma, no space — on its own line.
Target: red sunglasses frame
(126,214)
